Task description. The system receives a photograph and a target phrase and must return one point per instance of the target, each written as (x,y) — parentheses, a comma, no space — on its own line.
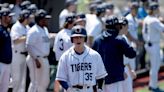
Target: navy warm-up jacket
(112,49)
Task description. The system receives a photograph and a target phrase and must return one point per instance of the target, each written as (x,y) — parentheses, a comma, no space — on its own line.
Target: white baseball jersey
(38,38)
(62,42)
(18,30)
(18,65)
(94,26)
(152,29)
(132,25)
(81,69)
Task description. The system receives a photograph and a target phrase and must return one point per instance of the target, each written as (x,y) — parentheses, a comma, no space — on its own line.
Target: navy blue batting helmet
(79,31)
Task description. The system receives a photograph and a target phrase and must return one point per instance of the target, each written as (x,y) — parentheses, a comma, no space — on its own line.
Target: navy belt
(42,56)
(80,87)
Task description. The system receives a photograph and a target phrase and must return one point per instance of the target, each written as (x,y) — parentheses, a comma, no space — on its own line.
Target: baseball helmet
(80,17)
(24,14)
(109,23)
(70,18)
(32,8)
(153,6)
(100,9)
(78,31)
(123,21)
(25,4)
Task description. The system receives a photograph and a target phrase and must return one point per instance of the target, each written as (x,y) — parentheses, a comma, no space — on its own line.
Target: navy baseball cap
(25,4)
(42,14)
(78,31)
(80,17)
(32,8)
(6,12)
(134,5)
(109,6)
(153,6)
(25,14)
(70,18)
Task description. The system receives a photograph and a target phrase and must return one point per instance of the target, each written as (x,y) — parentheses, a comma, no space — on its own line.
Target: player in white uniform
(62,39)
(133,24)
(63,42)
(94,24)
(152,29)
(80,66)
(70,8)
(38,46)
(18,66)
(128,82)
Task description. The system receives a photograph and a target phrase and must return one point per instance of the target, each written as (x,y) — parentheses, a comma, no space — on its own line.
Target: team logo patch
(78,31)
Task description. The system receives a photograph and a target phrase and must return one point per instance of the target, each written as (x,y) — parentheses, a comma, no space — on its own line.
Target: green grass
(145,89)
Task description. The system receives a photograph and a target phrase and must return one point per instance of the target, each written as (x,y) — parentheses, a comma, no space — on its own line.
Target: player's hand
(133,74)
(38,65)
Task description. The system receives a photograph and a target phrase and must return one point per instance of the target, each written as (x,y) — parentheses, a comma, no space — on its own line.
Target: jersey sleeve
(127,49)
(56,47)
(101,71)
(62,70)
(15,33)
(158,25)
(31,38)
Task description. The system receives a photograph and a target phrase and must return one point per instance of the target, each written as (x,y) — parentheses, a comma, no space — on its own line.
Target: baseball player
(5,49)
(63,41)
(80,66)
(128,82)
(94,24)
(109,42)
(132,36)
(38,46)
(152,28)
(70,8)
(18,66)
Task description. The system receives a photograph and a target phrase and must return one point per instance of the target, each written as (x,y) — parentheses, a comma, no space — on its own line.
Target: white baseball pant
(40,77)
(4,77)
(18,71)
(128,82)
(85,89)
(114,87)
(154,55)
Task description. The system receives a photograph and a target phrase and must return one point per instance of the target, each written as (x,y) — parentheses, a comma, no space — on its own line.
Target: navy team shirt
(5,46)
(112,50)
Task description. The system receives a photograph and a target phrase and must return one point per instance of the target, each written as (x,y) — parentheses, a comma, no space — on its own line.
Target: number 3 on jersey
(61,44)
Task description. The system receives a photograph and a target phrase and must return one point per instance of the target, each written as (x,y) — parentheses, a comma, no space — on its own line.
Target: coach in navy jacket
(112,48)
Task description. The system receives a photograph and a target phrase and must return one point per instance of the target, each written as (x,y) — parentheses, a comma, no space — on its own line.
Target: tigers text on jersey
(81,69)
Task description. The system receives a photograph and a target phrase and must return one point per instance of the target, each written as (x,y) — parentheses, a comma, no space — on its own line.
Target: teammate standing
(18,66)
(63,42)
(109,42)
(80,66)
(38,46)
(152,29)
(5,49)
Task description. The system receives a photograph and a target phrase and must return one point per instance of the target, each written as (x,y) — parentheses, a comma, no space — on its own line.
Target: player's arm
(20,39)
